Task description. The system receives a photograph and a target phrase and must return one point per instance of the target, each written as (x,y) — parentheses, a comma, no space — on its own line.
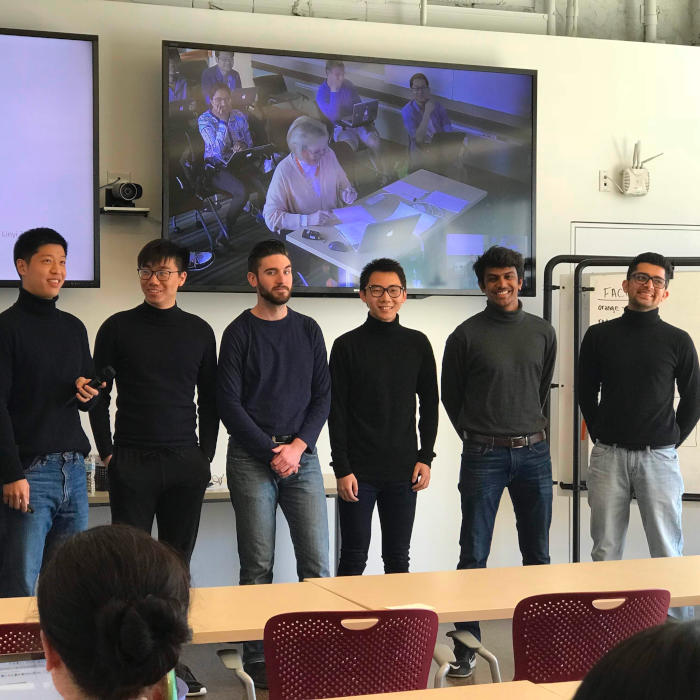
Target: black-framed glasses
(161,275)
(376,290)
(643,278)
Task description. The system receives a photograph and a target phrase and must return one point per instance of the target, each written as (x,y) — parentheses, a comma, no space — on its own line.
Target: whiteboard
(680,309)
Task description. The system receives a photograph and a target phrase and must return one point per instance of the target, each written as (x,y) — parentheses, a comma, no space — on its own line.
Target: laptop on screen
(362,113)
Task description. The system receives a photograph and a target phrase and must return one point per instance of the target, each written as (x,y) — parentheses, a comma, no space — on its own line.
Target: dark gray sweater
(496,372)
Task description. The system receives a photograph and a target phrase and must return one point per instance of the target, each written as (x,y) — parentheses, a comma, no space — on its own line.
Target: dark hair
(334,63)
(161,249)
(652,259)
(498,256)
(658,663)
(418,76)
(381,265)
(219,86)
(30,241)
(113,604)
(216,53)
(261,250)
(174,55)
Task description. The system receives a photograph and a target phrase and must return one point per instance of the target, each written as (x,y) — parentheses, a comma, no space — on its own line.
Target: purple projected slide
(48,147)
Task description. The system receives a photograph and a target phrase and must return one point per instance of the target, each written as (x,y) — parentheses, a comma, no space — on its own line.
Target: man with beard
(274,397)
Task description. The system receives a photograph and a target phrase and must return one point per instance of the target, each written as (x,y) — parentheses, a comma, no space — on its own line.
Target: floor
(221,685)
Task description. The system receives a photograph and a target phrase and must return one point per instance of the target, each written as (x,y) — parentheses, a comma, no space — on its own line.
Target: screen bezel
(530,276)
(93,40)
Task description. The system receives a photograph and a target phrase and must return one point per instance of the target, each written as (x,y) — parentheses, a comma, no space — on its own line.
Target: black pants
(396,503)
(165,482)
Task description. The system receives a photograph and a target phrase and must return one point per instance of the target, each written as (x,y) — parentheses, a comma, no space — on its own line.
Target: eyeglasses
(420,88)
(643,278)
(161,275)
(393,290)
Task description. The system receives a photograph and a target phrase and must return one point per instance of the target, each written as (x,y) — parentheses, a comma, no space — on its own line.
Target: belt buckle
(519,437)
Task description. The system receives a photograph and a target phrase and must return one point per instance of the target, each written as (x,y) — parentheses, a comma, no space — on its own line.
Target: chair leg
(443,657)
(473,644)
(232,660)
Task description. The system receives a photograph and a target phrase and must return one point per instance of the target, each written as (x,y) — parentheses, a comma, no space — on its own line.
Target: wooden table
(562,690)
(239,613)
(223,613)
(515,690)
(492,594)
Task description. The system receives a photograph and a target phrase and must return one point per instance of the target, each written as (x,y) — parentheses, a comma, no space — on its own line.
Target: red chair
(560,636)
(335,654)
(20,638)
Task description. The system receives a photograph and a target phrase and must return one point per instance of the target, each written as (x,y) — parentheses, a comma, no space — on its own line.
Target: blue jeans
(654,477)
(256,491)
(486,471)
(396,503)
(58,495)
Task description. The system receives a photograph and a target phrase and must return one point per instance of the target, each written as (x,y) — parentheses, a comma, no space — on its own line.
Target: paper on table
(403,210)
(446,201)
(353,232)
(405,190)
(417,606)
(348,215)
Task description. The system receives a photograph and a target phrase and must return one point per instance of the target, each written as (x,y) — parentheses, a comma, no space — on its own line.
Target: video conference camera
(123,194)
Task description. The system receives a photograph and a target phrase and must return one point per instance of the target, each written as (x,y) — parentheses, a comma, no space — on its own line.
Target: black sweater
(376,372)
(160,356)
(496,372)
(42,352)
(635,361)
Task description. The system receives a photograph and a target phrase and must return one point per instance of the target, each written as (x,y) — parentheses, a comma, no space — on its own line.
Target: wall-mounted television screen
(49,141)
(346,159)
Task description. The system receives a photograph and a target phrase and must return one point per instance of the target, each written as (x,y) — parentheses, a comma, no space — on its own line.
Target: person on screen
(113,608)
(496,373)
(376,372)
(222,72)
(309,183)
(633,424)
(157,466)
(177,85)
(425,120)
(335,97)
(225,131)
(45,367)
(273,396)
(658,663)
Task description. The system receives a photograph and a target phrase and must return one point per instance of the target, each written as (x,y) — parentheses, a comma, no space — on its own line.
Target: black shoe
(194,687)
(463,668)
(258,672)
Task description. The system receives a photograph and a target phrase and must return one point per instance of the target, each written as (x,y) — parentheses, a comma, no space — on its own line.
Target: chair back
(20,638)
(335,654)
(559,637)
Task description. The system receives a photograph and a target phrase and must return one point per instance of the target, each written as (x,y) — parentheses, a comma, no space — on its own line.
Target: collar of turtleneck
(377,326)
(498,314)
(641,318)
(36,305)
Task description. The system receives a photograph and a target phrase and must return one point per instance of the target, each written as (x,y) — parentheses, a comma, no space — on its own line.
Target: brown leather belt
(504,440)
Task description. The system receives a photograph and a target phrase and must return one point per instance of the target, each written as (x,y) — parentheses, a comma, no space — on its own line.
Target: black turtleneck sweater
(636,361)
(376,372)
(496,372)
(42,352)
(160,356)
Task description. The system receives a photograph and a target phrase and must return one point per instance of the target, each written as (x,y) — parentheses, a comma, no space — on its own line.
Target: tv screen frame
(91,39)
(529,281)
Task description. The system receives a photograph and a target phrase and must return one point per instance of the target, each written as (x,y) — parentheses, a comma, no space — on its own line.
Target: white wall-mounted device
(635,180)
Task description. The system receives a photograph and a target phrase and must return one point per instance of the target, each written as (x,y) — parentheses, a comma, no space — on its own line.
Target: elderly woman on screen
(113,613)
(308,183)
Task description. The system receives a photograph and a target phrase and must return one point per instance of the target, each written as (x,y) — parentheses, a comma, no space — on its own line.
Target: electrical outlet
(604,183)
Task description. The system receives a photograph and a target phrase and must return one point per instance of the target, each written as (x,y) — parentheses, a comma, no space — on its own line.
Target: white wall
(595,99)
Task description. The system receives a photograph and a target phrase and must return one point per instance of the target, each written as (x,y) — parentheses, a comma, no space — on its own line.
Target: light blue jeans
(256,491)
(615,474)
(58,496)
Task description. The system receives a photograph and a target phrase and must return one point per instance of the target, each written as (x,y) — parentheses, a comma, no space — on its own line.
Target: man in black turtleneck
(496,373)
(376,372)
(636,361)
(44,358)
(156,465)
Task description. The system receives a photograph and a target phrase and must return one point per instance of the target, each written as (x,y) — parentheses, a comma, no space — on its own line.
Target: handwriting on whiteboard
(609,302)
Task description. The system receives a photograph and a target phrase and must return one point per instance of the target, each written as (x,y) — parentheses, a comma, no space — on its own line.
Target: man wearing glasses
(635,362)
(376,372)
(156,465)
(496,373)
